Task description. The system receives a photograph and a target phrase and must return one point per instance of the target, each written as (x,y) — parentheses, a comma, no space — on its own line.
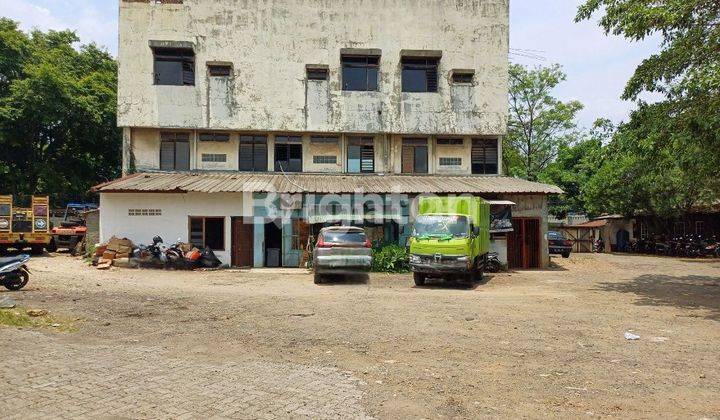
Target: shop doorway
(243,237)
(524,244)
(273,244)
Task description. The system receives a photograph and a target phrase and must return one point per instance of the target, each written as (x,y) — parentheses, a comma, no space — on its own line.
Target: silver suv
(341,250)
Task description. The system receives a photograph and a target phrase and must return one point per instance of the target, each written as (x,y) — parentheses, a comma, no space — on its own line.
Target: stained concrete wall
(269,43)
(174,222)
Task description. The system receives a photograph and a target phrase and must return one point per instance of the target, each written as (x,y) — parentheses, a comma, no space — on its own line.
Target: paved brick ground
(42,377)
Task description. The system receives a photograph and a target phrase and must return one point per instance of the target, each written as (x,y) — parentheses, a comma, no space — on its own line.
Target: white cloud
(93,20)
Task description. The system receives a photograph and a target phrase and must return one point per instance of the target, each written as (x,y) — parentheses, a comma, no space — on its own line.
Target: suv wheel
(318,278)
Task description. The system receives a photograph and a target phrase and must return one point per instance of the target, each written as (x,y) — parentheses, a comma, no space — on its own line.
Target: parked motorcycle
(599,246)
(14,274)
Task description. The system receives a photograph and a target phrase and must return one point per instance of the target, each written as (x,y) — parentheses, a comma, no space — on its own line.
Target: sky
(597,66)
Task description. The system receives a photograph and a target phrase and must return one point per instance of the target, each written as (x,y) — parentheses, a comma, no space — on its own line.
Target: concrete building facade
(343,92)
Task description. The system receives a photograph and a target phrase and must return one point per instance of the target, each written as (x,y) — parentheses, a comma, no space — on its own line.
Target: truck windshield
(457,226)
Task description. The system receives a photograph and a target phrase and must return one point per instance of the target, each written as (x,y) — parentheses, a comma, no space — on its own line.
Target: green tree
(539,124)
(665,159)
(653,166)
(57,114)
(575,165)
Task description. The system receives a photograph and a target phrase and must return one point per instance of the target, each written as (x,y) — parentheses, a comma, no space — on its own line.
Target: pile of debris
(116,252)
(179,256)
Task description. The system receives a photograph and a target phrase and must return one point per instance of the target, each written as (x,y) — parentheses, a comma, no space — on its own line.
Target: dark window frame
(463,78)
(290,146)
(259,160)
(417,145)
(479,164)
(450,142)
(366,154)
(317,74)
(214,137)
(204,220)
(184,56)
(371,66)
(219,70)
(429,65)
(174,139)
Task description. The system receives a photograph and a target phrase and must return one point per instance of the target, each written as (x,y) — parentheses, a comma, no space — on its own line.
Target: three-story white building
(249,124)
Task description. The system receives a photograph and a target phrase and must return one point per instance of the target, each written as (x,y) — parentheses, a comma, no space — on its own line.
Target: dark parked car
(341,250)
(559,245)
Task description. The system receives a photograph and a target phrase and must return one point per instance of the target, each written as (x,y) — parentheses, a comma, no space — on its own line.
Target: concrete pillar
(126,151)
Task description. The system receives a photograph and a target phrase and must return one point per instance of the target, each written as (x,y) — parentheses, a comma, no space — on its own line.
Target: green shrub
(390,259)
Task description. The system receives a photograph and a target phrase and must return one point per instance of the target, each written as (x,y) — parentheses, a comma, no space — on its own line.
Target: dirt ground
(138,343)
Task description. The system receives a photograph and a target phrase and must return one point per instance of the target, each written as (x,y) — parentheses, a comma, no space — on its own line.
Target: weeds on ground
(17,318)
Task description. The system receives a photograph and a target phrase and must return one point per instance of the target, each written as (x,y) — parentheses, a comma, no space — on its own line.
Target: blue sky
(597,66)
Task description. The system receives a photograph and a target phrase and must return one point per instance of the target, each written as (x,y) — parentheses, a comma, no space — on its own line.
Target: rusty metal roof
(218,182)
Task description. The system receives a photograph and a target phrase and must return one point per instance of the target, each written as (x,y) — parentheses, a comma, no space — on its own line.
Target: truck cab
(450,239)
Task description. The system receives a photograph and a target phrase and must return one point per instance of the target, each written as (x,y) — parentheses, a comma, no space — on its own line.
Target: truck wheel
(36,250)
(318,278)
(419,279)
(52,246)
(566,255)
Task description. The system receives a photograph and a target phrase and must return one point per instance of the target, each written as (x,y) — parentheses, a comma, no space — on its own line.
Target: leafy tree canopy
(58,128)
(539,124)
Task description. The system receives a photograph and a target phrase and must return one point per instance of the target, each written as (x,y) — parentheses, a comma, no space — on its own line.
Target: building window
(420,74)
(450,161)
(218,137)
(253,154)
(174,152)
(679,229)
(219,70)
(208,232)
(325,160)
(360,73)
(214,158)
(144,212)
(484,157)
(174,66)
(317,73)
(288,154)
(415,156)
(450,142)
(324,140)
(361,155)
(460,77)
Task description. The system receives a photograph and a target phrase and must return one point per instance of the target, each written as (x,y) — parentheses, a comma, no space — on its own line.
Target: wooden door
(243,238)
(524,244)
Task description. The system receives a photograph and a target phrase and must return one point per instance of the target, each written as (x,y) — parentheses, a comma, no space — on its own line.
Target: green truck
(450,239)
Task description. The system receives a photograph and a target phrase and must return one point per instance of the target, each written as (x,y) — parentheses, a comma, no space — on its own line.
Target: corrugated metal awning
(501,203)
(218,182)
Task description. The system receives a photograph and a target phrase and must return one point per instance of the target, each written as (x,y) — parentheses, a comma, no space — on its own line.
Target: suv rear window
(344,237)
(555,235)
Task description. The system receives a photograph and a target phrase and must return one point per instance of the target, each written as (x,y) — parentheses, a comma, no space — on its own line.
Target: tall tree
(665,159)
(539,124)
(58,128)
(575,165)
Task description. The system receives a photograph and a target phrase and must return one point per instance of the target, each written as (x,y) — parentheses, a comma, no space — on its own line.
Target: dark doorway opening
(273,245)
(524,244)
(243,238)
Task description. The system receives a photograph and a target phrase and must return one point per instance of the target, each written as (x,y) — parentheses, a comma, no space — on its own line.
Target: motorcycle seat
(11,260)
